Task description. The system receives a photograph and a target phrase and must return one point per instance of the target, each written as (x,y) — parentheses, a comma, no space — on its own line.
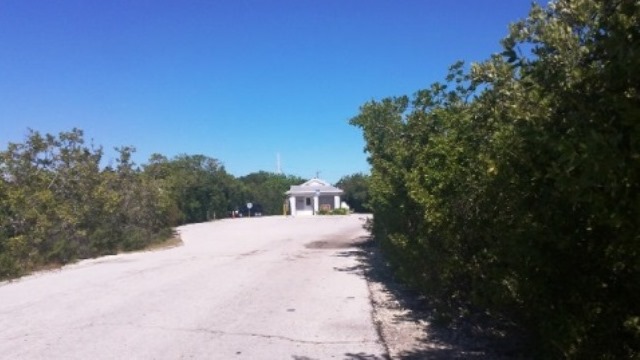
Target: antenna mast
(278,165)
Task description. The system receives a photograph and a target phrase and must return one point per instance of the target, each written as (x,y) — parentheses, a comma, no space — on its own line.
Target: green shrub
(521,198)
(339,211)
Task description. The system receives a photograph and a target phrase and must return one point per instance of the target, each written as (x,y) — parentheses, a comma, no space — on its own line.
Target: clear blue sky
(237,80)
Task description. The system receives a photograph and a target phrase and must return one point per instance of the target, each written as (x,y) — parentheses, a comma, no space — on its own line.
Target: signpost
(249,206)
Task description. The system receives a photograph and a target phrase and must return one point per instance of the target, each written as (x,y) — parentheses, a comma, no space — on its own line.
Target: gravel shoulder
(406,323)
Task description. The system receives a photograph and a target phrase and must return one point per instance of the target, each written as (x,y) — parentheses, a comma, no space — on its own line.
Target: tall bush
(57,204)
(515,185)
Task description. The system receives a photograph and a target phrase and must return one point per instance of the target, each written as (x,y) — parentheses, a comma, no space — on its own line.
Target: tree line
(513,187)
(59,204)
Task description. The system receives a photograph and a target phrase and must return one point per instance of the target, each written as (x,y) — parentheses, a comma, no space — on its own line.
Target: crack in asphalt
(248,334)
(280,337)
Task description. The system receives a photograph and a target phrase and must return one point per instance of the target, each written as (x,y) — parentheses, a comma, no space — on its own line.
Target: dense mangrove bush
(514,186)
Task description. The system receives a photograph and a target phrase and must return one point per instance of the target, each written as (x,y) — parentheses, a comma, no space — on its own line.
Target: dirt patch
(170,243)
(250,253)
(323,244)
(329,244)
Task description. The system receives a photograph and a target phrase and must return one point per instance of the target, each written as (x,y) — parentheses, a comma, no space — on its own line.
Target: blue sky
(237,80)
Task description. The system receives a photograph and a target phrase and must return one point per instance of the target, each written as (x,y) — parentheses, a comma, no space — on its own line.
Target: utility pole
(278,165)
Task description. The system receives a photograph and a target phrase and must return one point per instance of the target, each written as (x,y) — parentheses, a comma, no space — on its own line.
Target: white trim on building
(312,196)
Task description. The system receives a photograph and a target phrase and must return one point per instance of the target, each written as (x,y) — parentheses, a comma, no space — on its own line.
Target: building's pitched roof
(311,186)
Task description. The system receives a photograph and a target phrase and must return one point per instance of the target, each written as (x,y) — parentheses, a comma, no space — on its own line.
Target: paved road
(260,288)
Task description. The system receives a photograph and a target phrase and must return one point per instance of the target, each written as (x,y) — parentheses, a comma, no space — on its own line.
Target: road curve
(259,288)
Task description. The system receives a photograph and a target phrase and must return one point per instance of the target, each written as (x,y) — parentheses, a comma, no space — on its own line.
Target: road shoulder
(405,322)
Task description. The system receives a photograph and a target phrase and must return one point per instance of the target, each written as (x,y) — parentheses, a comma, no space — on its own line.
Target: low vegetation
(514,186)
(338,211)
(58,204)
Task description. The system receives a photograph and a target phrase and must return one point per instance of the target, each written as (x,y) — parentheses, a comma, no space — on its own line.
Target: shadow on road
(347,356)
(475,338)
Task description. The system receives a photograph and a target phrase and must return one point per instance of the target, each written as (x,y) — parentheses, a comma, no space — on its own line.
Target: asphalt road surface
(259,288)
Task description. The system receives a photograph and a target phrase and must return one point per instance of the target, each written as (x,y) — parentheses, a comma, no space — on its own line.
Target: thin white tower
(278,165)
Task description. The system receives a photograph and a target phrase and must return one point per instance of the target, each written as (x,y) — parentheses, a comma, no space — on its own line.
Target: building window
(308,201)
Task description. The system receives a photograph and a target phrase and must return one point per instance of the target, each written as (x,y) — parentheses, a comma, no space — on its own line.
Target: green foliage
(515,185)
(267,189)
(356,191)
(58,205)
(195,188)
(339,211)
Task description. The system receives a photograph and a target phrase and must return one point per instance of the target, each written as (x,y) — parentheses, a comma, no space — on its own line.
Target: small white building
(313,196)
